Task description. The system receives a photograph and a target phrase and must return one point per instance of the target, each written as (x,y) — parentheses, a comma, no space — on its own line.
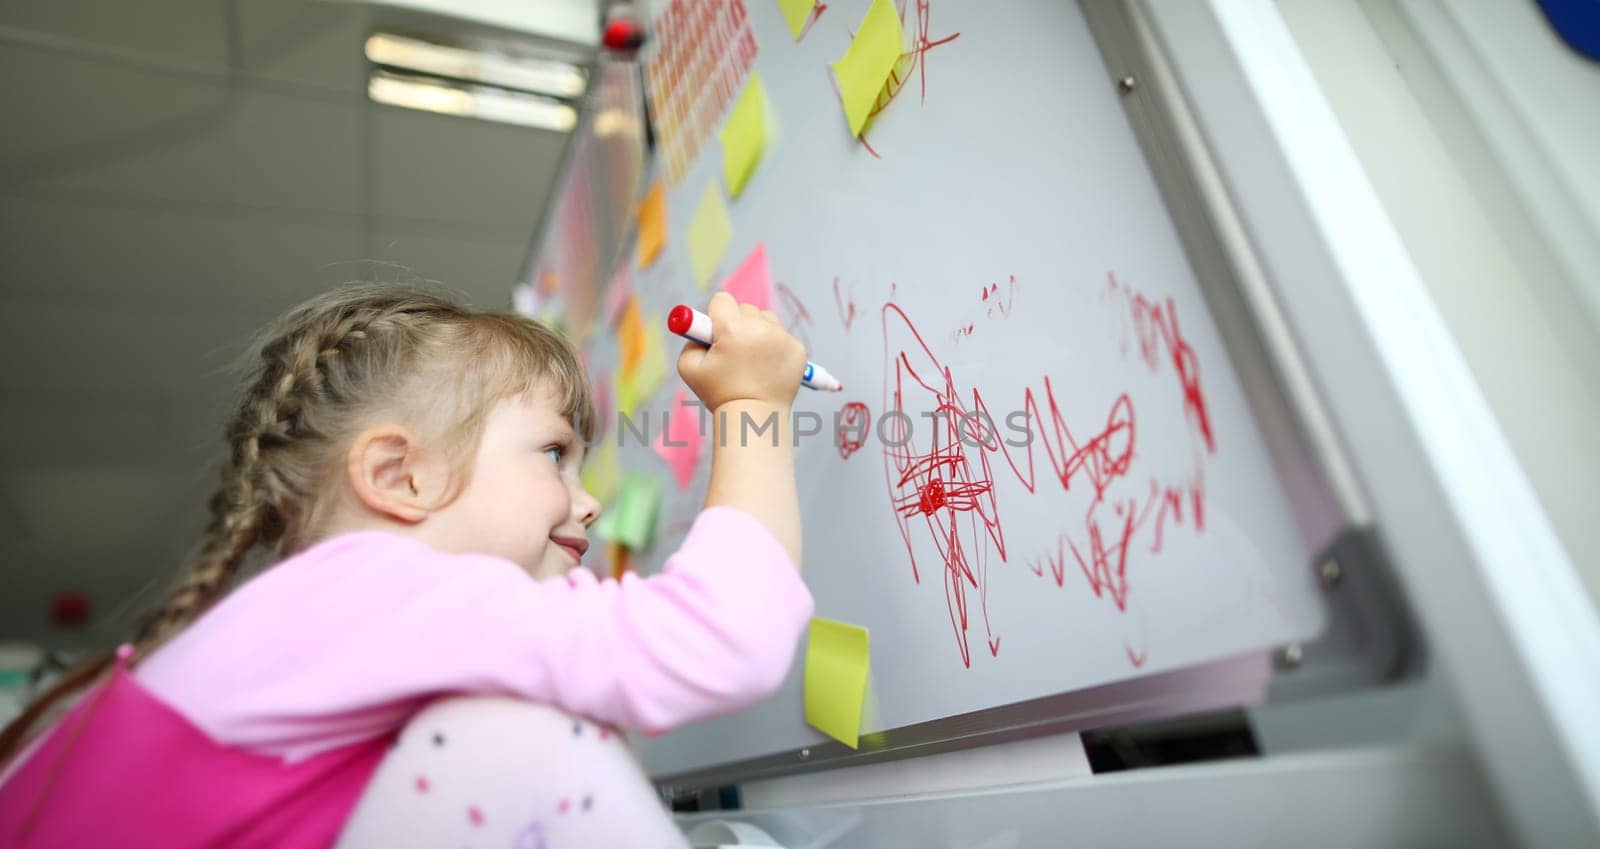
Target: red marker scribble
(798,318)
(846,306)
(996,302)
(1171,504)
(941,484)
(1156,327)
(937,488)
(854,423)
(912,62)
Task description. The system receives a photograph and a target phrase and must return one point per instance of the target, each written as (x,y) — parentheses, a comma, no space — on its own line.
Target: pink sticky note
(617,295)
(680,440)
(751,283)
(600,390)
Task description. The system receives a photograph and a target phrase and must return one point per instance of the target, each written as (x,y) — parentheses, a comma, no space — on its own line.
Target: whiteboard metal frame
(1402,796)
(1498,598)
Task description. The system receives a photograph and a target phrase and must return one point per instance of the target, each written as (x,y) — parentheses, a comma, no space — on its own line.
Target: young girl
(415,465)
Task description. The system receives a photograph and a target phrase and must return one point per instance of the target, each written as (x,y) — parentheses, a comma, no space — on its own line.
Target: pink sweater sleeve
(344,641)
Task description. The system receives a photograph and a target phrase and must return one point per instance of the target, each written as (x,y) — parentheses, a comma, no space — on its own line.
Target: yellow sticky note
(602,470)
(837,663)
(744,135)
(710,234)
(652,225)
(622,388)
(865,67)
(796,13)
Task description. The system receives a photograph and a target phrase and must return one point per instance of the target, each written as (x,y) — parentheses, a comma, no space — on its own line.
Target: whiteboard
(1000,247)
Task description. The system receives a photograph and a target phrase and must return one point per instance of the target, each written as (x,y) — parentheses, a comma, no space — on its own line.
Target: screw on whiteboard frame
(1330,572)
(1290,656)
(1127,84)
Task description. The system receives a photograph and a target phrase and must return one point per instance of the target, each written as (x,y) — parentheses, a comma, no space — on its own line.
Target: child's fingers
(723,309)
(771,316)
(689,358)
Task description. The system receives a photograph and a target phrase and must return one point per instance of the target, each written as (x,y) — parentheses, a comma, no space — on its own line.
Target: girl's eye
(555,453)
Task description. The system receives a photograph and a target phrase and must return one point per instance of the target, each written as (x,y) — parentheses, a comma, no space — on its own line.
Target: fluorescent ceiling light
(541,76)
(490,104)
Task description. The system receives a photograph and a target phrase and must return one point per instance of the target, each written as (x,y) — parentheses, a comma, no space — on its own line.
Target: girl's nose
(585,507)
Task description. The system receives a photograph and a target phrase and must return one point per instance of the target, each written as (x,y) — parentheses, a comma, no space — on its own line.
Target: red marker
(695,326)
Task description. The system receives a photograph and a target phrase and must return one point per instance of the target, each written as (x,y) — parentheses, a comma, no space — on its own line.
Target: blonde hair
(325,370)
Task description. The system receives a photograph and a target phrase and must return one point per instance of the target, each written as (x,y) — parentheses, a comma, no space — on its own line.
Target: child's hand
(752,358)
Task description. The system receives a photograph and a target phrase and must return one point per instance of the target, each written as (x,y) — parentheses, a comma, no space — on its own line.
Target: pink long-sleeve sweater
(267,716)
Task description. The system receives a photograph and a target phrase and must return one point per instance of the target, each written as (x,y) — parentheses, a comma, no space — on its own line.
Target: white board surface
(1001,240)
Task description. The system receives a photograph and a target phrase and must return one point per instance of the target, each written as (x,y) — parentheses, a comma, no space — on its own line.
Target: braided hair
(324,371)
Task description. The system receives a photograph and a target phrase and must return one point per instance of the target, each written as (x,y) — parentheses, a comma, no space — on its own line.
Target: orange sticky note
(649,370)
(864,69)
(652,225)
(630,338)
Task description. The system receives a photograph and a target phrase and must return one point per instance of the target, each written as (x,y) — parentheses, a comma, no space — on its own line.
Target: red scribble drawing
(941,483)
(936,486)
(854,421)
(846,306)
(797,319)
(994,301)
(911,62)
(1171,501)
(1156,326)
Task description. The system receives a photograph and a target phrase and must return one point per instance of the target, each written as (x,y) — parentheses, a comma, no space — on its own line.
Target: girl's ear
(390,476)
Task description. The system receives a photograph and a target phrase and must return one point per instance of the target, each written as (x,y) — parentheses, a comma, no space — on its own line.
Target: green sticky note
(605,527)
(710,234)
(638,505)
(796,13)
(836,679)
(744,135)
(865,68)
(602,471)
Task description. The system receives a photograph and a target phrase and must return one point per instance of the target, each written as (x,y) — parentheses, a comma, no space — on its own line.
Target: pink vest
(125,770)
